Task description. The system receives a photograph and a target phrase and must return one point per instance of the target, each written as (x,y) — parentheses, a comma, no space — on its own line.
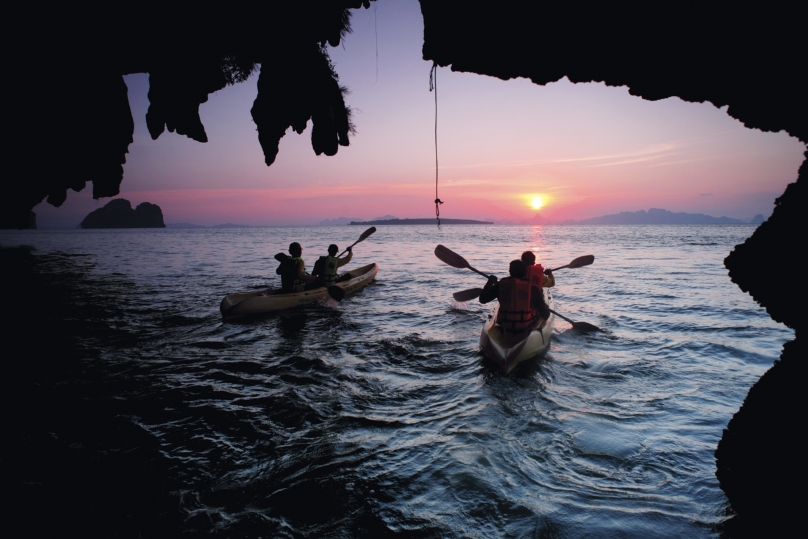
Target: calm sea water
(379,416)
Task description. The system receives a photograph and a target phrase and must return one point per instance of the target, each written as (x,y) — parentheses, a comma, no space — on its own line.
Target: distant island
(339,221)
(426,221)
(118,213)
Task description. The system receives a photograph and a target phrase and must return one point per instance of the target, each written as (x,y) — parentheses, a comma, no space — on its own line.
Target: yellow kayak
(509,349)
(266,301)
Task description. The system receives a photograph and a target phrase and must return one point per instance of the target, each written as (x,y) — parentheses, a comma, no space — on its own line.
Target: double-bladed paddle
(335,292)
(456,261)
(467,295)
(472,293)
(448,256)
(580,326)
(579,262)
(363,237)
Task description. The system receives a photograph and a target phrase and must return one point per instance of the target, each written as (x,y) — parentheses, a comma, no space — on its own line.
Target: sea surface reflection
(135,410)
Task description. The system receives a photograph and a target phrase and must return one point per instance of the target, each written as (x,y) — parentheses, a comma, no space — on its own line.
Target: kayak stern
(508,350)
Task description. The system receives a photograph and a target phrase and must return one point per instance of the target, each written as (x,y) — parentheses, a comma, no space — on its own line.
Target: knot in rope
(433,85)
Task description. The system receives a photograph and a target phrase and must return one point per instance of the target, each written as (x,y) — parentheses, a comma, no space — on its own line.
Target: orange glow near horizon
(509,150)
(536,202)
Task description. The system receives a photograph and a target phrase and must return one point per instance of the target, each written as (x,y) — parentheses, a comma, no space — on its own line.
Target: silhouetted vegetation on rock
(70,123)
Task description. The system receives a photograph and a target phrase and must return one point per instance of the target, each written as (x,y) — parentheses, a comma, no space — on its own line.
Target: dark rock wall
(761,457)
(747,56)
(69,119)
(768,265)
(20,224)
(68,109)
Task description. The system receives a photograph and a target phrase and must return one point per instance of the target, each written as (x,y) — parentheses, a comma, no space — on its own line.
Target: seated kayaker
(521,304)
(292,270)
(536,274)
(325,269)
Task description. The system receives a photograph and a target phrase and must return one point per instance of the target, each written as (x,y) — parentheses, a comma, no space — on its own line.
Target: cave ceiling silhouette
(70,121)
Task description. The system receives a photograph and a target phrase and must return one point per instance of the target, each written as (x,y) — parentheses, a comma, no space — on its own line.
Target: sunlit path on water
(379,413)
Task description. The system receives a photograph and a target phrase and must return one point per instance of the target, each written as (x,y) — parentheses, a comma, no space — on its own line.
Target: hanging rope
(433,85)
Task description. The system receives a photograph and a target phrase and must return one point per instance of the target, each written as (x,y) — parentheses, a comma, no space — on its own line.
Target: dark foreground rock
(721,52)
(119,214)
(20,224)
(72,459)
(760,460)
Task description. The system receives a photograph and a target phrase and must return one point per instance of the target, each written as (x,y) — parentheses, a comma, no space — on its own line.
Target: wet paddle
(363,237)
(579,262)
(471,293)
(336,293)
(448,256)
(580,326)
(467,295)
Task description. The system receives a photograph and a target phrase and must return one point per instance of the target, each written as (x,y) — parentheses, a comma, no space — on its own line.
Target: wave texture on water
(136,409)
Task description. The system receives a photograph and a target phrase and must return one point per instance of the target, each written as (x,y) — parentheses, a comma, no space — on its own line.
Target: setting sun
(536,202)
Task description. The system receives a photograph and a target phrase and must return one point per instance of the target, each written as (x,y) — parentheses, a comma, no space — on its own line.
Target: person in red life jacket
(521,303)
(292,270)
(536,274)
(325,269)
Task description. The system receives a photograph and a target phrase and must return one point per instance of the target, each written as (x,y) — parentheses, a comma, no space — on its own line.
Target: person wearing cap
(326,267)
(292,270)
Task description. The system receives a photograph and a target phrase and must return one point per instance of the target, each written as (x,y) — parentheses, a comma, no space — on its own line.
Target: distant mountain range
(654,216)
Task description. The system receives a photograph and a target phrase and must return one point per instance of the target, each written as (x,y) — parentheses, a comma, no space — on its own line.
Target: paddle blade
(581,261)
(585,327)
(367,233)
(364,236)
(448,256)
(336,293)
(467,295)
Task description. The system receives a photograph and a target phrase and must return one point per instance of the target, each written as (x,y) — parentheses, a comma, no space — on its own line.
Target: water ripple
(379,416)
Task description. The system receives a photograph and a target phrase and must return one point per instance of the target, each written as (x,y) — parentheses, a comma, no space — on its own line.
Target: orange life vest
(535,274)
(515,314)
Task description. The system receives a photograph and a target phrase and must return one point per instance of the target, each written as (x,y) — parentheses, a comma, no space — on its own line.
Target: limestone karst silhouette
(69,123)
(70,118)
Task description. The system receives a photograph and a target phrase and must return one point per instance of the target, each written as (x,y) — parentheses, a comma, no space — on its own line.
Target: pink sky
(586,149)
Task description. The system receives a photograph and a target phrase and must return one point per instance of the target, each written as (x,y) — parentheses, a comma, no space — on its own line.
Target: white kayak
(509,349)
(266,301)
